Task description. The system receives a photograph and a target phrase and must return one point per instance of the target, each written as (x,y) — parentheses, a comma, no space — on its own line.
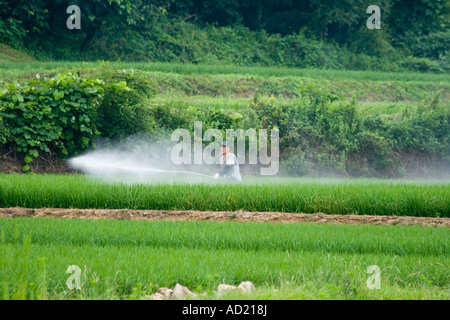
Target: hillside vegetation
(366,126)
(8,55)
(348,100)
(414,35)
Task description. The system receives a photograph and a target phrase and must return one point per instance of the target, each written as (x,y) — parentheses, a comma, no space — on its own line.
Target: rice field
(123,259)
(131,259)
(307,195)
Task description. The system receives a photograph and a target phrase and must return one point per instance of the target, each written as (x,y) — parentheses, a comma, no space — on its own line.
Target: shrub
(124,109)
(56,114)
(51,113)
(4,131)
(434,45)
(421,64)
(322,133)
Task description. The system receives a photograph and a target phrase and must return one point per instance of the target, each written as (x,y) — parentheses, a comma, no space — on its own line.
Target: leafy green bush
(58,114)
(434,45)
(51,114)
(170,117)
(124,109)
(321,133)
(421,64)
(4,131)
(426,130)
(12,32)
(371,42)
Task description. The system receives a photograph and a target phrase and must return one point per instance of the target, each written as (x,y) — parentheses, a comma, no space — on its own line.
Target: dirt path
(241,216)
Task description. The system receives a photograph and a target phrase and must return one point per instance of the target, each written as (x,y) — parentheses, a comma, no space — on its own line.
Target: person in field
(229,169)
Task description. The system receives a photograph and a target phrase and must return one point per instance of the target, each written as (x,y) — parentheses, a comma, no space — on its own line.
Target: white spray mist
(138,159)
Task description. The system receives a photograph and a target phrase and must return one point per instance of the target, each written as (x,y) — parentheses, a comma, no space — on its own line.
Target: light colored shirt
(230,168)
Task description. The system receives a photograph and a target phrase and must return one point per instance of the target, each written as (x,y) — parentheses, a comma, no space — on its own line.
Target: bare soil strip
(240,216)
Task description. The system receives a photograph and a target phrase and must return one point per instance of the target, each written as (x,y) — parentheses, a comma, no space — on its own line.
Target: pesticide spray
(137,160)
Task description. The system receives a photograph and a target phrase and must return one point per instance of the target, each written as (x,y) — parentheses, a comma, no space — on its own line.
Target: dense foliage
(65,113)
(52,113)
(321,133)
(330,34)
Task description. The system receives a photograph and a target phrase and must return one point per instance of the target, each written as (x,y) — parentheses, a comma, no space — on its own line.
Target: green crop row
(131,259)
(234,81)
(345,196)
(14,69)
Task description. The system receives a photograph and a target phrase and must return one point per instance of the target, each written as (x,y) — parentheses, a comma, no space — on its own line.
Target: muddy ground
(241,216)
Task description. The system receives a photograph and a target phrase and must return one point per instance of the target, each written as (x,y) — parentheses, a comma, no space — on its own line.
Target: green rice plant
(27,276)
(131,259)
(332,196)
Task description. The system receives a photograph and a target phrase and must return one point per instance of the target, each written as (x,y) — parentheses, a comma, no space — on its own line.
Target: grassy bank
(20,68)
(243,82)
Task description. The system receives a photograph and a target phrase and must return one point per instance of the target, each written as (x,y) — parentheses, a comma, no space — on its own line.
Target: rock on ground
(178,292)
(246,287)
(181,292)
(163,293)
(224,288)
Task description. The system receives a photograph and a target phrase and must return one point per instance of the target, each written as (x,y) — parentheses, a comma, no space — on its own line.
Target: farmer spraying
(229,165)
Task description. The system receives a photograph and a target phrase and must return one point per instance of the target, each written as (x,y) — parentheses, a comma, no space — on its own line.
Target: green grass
(231,87)
(386,108)
(10,55)
(333,196)
(199,69)
(201,101)
(176,100)
(130,259)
